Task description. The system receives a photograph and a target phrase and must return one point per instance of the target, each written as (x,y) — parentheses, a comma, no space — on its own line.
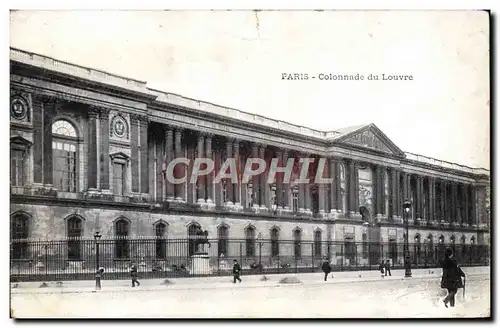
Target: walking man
(236,271)
(98,277)
(133,275)
(452,277)
(381,267)
(326,267)
(387,267)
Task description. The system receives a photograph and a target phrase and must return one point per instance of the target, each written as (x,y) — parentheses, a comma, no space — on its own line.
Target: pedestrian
(452,277)
(381,267)
(98,276)
(387,268)
(236,271)
(133,275)
(326,267)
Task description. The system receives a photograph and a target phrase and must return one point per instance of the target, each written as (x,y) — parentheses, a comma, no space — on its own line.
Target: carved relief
(20,106)
(365,197)
(369,140)
(119,127)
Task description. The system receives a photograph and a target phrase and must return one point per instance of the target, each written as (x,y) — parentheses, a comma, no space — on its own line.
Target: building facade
(89,151)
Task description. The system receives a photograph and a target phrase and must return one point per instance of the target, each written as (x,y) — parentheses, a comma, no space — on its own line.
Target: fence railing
(77,258)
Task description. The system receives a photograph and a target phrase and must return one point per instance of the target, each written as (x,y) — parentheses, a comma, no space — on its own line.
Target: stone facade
(108,160)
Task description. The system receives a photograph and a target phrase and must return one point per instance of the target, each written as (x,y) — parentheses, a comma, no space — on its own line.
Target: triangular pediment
(370,137)
(18,142)
(119,155)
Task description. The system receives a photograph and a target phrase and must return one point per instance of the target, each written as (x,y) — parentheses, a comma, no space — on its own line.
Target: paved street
(383,299)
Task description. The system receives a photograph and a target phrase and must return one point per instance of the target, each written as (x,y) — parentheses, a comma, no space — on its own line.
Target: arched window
(122,250)
(275,244)
(365,245)
(430,244)
(64,156)
(452,241)
(295,199)
(250,241)
(317,243)
(297,243)
(161,242)
(19,234)
(192,235)
(417,249)
(223,236)
(74,233)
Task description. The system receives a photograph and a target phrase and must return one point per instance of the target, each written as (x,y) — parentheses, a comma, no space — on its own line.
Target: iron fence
(78,258)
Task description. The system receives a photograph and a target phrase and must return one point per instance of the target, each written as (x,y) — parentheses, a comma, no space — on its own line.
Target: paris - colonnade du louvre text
(89,152)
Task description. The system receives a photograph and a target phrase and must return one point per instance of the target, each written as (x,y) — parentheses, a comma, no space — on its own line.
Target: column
(422,198)
(92,165)
(38,109)
(397,195)
(333,193)
(229,185)
(356,187)
(210,176)
(218,163)
(465,197)
(454,202)
(351,187)
(321,198)
(237,185)
(255,178)
(159,168)
(279,180)
(143,154)
(286,184)
(264,201)
(201,180)
(134,152)
(393,195)
(169,156)
(378,191)
(418,194)
(473,200)
(190,186)
(104,151)
(444,216)
(338,184)
(432,199)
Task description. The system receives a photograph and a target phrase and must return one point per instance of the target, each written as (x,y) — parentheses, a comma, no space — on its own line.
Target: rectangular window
(295,201)
(17,167)
(118,179)
(64,166)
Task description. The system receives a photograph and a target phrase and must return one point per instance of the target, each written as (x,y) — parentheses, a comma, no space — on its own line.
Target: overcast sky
(237,59)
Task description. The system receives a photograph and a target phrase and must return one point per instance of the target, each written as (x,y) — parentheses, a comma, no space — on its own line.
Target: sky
(237,59)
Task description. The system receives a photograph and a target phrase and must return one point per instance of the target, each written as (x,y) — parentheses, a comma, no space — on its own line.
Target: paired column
(432,199)
(444,216)
(201,180)
(134,152)
(143,154)
(286,185)
(237,185)
(104,152)
(264,190)
(209,177)
(228,182)
(169,152)
(393,200)
(473,217)
(93,158)
(255,179)
(418,195)
(454,203)
(465,197)
(279,180)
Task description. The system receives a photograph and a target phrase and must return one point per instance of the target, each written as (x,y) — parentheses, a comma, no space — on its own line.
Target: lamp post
(259,238)
(97,237)
(407,208)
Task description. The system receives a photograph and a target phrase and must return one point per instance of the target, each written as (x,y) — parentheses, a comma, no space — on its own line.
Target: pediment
(119,156)
(19,142)
(371,137)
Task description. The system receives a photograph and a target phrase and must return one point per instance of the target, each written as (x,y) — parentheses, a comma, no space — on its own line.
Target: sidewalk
(254,281)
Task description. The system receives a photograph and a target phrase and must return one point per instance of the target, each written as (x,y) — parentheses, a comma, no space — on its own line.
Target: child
(98,276)
(236,271)
(133,275)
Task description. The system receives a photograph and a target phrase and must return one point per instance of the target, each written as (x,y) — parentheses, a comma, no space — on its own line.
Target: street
(401,298)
